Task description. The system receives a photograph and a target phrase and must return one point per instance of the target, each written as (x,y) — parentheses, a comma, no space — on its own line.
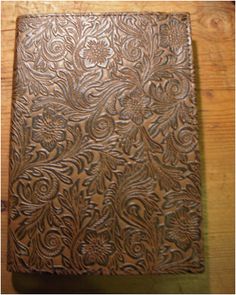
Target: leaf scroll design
(104,161)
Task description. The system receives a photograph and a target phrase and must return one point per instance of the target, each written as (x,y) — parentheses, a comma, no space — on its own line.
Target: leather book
(104,158)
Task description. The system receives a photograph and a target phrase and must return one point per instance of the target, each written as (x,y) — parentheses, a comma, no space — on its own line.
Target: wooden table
(213,35)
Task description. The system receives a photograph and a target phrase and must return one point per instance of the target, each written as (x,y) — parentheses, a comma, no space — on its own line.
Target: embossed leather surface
(104,161)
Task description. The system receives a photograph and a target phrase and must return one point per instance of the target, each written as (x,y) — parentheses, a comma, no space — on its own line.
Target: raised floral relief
(48,129)
(104,164)
(135,107)
(96,52)
(173,35)
(183,227)
(97,248)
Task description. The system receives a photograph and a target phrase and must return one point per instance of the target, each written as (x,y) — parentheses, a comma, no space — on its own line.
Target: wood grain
(213,36)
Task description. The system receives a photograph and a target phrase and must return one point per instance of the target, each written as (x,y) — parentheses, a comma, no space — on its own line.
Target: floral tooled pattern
(135,107)
(96,52)
(183,227)
(173,35)
(48,129)
(104,160)
(96,248)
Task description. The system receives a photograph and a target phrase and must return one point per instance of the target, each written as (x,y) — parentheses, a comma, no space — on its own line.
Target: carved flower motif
(49,129)
(96,248)
(183,227)
(135,107)
(96,52)
(173,35)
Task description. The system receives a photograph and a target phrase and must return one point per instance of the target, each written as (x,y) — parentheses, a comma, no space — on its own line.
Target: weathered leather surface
(104,161)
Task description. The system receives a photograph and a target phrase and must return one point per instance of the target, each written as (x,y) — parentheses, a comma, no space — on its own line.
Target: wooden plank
(213,39)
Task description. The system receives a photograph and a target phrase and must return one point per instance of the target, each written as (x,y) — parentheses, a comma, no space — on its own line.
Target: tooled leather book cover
(104,160)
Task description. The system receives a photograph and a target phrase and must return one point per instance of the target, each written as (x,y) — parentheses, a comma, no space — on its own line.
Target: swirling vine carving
(104,155)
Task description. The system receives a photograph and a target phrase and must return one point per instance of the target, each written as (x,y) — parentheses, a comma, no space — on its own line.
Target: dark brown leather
(104,162)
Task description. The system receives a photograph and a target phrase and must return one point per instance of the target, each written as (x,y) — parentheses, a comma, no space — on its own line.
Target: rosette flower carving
(173,35)
(49,129)
(135,107)
(182,227)
(96,52)
(97,248)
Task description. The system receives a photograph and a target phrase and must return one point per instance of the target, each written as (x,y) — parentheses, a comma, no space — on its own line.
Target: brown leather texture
(104,161)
